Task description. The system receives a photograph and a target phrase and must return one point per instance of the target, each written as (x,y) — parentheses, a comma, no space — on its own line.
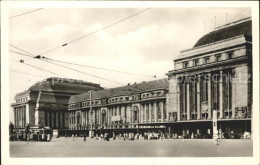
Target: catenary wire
(81,72)
(98,67)
(83,65)
(37,67)
(21,50)
(105,27)
(25,13)
(70,68)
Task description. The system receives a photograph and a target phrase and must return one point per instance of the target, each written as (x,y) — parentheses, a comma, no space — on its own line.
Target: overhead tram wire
(22,62)
(39,57)
(81,72)
(105,27)
(25,13)
(137,74)
(20,53)
(22,50)
(82,65)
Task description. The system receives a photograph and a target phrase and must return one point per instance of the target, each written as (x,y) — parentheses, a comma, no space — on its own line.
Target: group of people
(127,136)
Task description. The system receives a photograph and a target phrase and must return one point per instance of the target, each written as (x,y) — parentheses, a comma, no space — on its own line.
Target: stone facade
(120,108)
(46,102)
(215,76)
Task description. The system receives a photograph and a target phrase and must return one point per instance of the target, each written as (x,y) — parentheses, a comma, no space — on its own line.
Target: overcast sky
(144,44)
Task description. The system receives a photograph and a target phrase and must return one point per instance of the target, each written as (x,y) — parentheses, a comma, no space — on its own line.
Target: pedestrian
(28,137)
(72,137)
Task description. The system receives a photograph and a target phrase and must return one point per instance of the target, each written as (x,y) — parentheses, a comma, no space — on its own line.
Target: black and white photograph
(175,81)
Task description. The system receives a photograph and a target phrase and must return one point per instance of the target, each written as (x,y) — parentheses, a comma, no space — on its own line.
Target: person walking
(72,137)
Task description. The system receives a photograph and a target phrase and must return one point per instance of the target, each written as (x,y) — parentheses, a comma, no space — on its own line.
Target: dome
(241,27)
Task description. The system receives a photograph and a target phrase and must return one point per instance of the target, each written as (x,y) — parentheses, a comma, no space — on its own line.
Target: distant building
(216,74)
(128,108)
(46,103)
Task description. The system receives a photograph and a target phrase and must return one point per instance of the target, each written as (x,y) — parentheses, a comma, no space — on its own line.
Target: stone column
(23,125)
(209,96)
(167,113)
(221,95)
(198,99)
(47,117)
(24,115)
(53,124)
(150,112)
(188,101)
(141,113)
(155,112)
(100,116)
(145,113)
(123,113)
(57,120)
(14,110)
(118,109)
(19,117)
(27,113)
(61,119)
(162,110)
(179,102)
(21,113)
(107,115)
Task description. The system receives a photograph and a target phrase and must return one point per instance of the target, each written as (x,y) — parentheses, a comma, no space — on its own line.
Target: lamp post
(91,134)
(215,128)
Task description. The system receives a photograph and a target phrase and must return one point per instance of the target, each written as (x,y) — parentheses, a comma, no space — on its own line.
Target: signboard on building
(115,118)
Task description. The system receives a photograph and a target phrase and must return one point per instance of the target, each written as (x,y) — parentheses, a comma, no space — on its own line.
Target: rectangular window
(218,57)
(185,65)
(206,60)
(195,62)
(230,55)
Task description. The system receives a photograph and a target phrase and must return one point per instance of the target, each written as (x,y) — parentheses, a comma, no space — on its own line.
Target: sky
(145,44)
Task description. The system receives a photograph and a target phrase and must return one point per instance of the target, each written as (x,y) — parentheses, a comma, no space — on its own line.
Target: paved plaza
(66,147)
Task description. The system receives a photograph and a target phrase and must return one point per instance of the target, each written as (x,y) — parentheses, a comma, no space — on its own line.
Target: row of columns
(84,118)
(147,109)
(126,113)
(20,116)
(55,119)
(209,94)
(119,110)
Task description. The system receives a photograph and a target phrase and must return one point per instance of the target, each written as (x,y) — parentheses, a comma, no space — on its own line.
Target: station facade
(121,109)
(214,75)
